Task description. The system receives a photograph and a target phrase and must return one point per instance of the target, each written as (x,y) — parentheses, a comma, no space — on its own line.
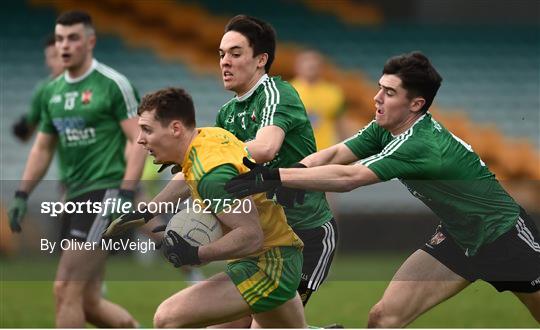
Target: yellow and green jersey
(273,101)
(212,159)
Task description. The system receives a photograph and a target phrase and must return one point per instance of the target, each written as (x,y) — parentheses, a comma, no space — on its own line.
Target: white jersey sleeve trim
(272,100)
(392,146)
(125,88)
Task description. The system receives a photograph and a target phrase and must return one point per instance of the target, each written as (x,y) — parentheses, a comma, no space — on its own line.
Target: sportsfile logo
(536,282)
(108,206)
(118,206)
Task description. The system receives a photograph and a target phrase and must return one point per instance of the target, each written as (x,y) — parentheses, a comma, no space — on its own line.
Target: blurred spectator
(324,100)
(24,128)
(325,104)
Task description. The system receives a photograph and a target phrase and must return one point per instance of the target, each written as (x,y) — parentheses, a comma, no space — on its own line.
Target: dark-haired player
(89,114)
(484,234)
(267,114)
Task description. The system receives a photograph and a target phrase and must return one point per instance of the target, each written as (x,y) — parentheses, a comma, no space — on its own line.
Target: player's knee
(167,317)
(163,319)
(381,316)
(66,291)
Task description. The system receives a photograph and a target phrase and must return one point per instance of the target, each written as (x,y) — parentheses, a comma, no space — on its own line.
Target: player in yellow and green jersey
(264,253)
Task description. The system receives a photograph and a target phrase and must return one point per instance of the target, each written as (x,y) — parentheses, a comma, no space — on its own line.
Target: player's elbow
(254,241)
(352,179)
(263,153)
(345,186)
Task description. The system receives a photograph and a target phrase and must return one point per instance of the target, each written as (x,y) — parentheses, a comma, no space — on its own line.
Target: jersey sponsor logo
(242,115)
(70,97)
(74,135)
(536,282)
(86,96)
(56,98)
(74,131)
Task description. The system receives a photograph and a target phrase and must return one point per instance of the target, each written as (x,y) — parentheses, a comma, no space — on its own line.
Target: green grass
(355,285)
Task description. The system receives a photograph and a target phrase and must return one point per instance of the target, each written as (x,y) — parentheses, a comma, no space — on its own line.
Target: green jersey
(86,113)
(34,117)
(445,174)
(273,101)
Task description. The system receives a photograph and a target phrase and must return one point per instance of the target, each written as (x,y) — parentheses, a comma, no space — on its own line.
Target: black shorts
(87,227)
(511,262)
(319,246)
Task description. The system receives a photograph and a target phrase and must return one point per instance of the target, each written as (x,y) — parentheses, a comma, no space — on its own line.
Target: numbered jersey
(85,113)
(443,172)
(274,102)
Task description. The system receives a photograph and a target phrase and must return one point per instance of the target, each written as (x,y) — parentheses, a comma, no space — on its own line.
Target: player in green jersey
(25,127)
(89,112)
(484,234)
(27,124)
(267,114)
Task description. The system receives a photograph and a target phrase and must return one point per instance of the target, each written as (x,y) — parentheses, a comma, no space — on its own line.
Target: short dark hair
(417,76)
(73,17)
(260,35)
(170,104)
(49,40)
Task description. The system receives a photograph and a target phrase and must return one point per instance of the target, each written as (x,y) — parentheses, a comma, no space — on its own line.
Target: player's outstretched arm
(336,154)
(336,178)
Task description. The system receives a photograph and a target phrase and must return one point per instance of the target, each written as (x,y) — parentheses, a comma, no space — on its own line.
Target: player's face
(157,139)
(53,61)
(239,69)
(75,45)
(393,107)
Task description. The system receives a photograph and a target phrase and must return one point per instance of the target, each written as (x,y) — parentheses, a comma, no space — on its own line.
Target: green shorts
(268,280)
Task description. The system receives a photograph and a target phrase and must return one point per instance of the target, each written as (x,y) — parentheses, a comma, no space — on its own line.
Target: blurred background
(488,53)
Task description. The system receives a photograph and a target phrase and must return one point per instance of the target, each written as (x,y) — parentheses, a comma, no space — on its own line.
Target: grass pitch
(355,284)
